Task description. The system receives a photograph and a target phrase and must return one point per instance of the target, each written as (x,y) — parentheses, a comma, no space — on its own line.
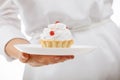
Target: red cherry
(52,33)
(57,22)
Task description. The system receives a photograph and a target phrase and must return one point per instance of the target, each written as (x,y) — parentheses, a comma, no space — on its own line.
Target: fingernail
(23,57)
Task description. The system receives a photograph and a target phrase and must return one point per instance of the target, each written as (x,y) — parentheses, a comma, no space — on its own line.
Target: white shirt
(77,14)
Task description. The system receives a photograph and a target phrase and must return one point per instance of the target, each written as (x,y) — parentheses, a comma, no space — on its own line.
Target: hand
(41,60)
(33,60)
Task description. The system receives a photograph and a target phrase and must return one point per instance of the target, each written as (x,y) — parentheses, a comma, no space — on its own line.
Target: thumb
(24,57)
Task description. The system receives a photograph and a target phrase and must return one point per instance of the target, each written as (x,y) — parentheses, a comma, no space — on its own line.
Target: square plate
(38,50)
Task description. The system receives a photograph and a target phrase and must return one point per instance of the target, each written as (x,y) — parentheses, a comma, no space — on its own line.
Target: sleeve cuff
(6,34)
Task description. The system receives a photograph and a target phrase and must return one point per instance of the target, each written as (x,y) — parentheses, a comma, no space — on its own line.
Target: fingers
(24,57)
(69,57)
(61,58)
(47,59)
(41,60)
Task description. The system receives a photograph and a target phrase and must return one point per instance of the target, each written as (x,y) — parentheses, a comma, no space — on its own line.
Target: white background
(14,70)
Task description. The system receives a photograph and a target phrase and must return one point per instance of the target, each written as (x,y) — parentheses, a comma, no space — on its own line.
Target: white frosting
(60,32)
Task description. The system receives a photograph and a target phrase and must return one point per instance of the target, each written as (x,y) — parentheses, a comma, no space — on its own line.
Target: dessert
(56,36)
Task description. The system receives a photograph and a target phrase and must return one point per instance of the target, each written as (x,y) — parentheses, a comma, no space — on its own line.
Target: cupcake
(56,36)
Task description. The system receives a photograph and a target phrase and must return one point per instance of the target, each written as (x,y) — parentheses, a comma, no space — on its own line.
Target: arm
(9,25)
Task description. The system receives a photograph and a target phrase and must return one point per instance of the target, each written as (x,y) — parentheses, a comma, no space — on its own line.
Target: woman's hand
(41,60)
(33,60)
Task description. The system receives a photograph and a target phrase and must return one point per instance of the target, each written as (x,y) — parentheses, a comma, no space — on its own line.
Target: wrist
(10,50)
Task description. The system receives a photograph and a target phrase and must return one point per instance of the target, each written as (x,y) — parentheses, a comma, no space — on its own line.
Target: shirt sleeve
(9,25)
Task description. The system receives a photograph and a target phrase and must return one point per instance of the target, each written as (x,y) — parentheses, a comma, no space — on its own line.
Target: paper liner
(56,43)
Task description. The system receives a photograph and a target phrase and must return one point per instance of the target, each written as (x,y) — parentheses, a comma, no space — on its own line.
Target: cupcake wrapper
(56,44)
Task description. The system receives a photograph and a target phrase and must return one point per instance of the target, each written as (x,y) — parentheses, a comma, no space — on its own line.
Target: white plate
(37,49)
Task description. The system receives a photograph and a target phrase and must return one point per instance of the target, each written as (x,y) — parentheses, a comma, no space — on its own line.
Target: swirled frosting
(56,31)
